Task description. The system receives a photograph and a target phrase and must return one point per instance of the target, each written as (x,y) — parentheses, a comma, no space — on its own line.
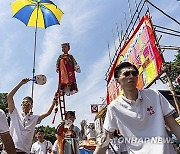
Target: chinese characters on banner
(141,50)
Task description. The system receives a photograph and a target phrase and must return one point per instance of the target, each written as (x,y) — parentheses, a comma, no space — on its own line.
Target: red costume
(66,65)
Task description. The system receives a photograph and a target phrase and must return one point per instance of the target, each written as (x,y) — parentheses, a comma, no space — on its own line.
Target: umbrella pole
(34,54)
(34,61)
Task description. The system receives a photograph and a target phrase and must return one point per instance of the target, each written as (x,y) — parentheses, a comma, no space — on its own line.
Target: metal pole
(34,54)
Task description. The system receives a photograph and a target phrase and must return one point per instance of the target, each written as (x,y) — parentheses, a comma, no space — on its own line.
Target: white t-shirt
(41,148)
(141,122)
(55,147)
(22,129)
(3,123)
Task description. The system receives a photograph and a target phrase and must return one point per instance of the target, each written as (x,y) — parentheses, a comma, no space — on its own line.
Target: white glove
(77,69)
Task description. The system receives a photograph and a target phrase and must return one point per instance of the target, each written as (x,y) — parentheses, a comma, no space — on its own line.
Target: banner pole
(172,90)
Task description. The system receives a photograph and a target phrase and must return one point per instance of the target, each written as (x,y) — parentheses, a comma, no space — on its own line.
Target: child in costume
(66,66)
(69,135)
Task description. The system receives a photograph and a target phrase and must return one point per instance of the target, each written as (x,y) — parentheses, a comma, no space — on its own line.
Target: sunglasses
(25,102)
(133,73)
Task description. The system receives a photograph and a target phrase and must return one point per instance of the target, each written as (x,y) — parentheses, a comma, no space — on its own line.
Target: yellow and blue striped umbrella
(38,13)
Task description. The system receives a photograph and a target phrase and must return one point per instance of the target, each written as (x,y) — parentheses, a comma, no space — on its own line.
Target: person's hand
(24,81)
(77,69)
(49,149)
(103,139)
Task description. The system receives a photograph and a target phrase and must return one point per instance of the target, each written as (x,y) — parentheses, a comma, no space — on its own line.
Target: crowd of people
(137,114)
(19,136)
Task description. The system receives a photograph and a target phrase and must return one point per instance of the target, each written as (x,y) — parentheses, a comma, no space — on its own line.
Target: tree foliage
(4,105)
(3,102)
(174,71)
(49,133)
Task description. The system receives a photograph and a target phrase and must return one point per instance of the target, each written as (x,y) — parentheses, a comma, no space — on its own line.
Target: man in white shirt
(23,123)
(42,146)
(140,115)
(4,134)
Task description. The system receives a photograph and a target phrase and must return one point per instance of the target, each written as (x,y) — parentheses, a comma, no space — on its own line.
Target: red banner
(141,50)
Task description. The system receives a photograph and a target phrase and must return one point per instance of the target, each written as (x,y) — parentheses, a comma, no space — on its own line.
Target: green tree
(4,105)
(3,102)
(49,133)
(174,71)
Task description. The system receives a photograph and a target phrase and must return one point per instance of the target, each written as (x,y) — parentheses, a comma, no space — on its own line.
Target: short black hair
(72,113)
(122,65)
(40,130)
(66,44)
(28,97)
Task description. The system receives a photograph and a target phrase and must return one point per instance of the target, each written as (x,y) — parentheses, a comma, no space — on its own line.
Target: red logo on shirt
(150,110)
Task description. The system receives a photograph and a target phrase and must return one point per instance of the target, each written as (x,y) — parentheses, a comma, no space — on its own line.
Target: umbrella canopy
(37,13)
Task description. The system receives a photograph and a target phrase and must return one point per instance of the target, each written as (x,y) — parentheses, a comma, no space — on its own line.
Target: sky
(87,25)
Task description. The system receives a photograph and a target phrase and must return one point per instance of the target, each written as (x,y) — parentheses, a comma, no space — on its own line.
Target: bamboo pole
(167,33)
(168,29)
(172,90)
(136,9)
(114,40)
(129,8)
(170,48)
(109,54)
(121,32)
(117,28)
(126,33)
(163,12)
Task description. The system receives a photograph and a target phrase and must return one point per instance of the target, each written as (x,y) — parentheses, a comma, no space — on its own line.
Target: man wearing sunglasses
(140,115)
(23,123)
